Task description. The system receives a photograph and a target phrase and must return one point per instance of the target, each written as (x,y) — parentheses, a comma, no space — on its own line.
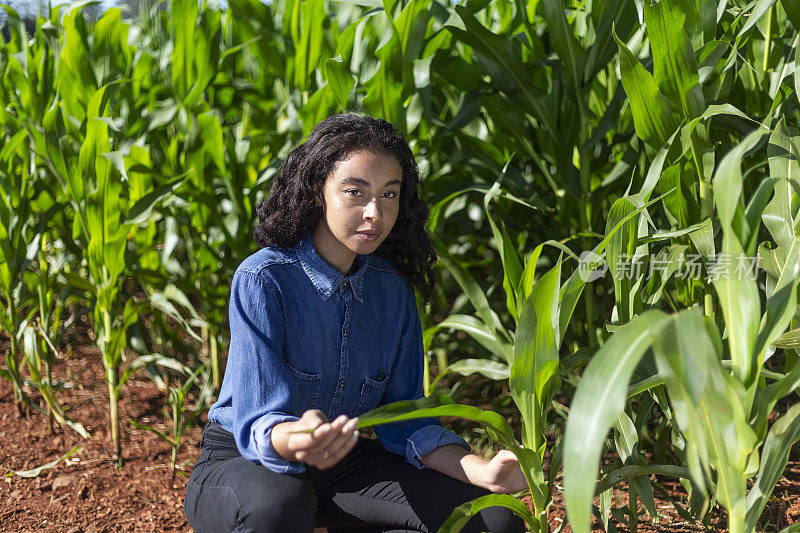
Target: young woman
(324,327)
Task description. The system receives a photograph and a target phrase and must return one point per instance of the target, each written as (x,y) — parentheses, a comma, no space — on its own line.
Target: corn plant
(19,240)
(545,308)
(42,333)
(180,420)
(718,393)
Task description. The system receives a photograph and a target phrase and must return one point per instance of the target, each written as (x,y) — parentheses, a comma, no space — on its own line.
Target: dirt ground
(87,493)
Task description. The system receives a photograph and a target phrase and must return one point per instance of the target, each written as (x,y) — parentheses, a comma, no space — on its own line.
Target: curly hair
(290,210)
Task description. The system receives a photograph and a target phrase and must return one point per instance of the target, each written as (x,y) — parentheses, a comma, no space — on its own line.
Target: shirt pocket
(371,393)
(309,386)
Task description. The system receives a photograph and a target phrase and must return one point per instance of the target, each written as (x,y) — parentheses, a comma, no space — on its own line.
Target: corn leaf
(463,513)
(598,401)
(339,79)
(569,50)
(652,116)
(34,472)
(783,152)
(706,404)
(512,266)
(479,331)
(440,405)
(534,372)
(790,339)
(485,367)
(471,288)
(738,294)
(774,457)
(674,63)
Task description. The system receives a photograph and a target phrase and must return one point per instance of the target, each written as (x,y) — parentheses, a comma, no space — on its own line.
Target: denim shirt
(304,336)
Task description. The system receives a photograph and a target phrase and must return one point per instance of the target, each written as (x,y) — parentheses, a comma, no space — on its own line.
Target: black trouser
(370,490)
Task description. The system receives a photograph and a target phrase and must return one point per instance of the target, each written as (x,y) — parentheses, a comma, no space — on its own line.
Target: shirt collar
(325,278)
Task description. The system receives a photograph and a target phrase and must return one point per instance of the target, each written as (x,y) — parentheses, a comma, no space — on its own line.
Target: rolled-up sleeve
(413,439)
(263,397)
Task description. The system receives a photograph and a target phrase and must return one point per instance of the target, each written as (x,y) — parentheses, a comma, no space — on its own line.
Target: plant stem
(216,373)
(633,523)
(12,357)
(736,523)
(49,385)
(111,375)
(113,395)
(767,42)
(175,436)
(542,516)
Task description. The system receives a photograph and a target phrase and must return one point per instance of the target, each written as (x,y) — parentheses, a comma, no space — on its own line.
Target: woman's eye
(352,192)
(390,194)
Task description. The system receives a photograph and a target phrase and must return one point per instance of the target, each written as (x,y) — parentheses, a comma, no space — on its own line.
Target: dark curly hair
(290,210)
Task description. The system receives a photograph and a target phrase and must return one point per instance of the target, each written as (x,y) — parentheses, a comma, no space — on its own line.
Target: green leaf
(738,294)
(782,303)
(761,9)
(650,108)
(38,470)
(528,276)
(142,209)
(706,404)
(620,257)
(184,21)
(626,472)
(479,331)
(674,64)
(783,152)
(790,339)
(607,17)
(566,45)
(512,267)
(792,9)
(471,288)
(774,457)
(410,27)
(439,405)
(598,401)
(485,367)
(153,359)
(308,43)
(534,372)
(384,95)
(501,59)
(161,434)
(213,144)
(339,79)
(462,514)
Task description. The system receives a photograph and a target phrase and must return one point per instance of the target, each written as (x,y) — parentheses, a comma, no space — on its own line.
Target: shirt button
(341,384)
(344,334)
(344,284)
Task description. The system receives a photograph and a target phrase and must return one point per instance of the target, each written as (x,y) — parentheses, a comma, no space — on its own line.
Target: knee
(496,520)
(290,507)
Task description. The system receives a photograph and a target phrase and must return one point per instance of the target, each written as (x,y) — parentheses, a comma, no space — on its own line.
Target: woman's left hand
(503,474)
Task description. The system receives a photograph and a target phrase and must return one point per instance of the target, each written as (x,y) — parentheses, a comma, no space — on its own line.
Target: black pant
(370,490)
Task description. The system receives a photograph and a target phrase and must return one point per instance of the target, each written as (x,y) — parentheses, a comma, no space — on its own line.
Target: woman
(324,327)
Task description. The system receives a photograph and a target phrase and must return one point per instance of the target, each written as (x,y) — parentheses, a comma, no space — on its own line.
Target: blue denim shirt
(304,336)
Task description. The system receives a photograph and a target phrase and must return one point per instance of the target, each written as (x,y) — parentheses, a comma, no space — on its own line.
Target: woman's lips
(368,236)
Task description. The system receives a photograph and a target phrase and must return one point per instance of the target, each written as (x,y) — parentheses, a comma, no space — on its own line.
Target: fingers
(342,445)
(330,442)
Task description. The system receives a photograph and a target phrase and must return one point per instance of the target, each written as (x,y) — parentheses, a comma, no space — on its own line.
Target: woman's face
(360,203)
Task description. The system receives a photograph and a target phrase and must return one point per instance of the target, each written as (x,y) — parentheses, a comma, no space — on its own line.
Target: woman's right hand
(315,441)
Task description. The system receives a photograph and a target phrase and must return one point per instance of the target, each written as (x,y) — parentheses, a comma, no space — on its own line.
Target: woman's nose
(372,210)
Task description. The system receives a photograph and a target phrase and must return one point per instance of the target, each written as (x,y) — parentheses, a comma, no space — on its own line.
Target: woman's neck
(332,250)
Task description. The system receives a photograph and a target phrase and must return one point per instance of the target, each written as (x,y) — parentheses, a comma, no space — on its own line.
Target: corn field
(615,200)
